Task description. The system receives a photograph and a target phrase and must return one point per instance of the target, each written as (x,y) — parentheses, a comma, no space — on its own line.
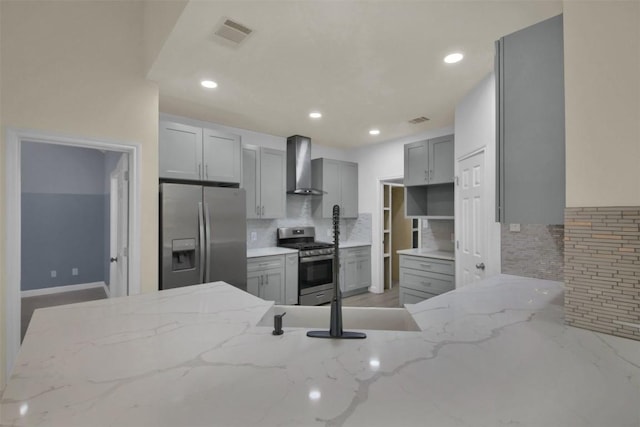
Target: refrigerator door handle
(207,238)
(202,236)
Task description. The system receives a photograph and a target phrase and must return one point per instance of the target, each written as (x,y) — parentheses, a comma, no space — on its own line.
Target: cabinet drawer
(411,296)
(427,264)
(433,283)
(264,263)
(356,252)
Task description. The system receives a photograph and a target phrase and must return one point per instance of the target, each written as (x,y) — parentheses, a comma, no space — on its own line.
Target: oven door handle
(315,258)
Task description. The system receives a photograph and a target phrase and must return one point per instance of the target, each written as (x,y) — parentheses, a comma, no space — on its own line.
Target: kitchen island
(495,353)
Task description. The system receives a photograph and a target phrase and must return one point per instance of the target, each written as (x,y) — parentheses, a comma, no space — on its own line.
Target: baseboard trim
(66,288)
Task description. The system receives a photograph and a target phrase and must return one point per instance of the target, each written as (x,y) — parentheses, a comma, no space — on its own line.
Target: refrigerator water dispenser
(183,254)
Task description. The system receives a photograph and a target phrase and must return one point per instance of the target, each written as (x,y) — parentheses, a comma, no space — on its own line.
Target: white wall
(77,69)
(378,162)
(475,129)
(602,102)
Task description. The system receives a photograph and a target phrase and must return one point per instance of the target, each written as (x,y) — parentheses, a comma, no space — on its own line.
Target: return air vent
(418,120)
(232,31)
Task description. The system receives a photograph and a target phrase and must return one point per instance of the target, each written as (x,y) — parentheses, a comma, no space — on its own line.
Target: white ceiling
(363,64)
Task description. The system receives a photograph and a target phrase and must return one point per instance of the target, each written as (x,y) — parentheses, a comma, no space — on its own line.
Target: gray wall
(64,215)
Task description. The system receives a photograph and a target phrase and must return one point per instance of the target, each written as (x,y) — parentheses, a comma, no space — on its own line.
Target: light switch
(514,227)
(254,236)
(74,271)
(54,273)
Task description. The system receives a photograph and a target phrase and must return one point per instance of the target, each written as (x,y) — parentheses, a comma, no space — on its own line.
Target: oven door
(315,273)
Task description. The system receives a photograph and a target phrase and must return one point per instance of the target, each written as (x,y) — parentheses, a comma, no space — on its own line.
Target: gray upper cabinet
(221,153)
(264,180)
(429,162)
(530,125)
(196,154)
(416,163)
(441,163)
(339,181)
(180,151)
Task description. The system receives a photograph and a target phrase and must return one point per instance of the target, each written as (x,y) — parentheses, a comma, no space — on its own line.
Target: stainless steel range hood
(299,166)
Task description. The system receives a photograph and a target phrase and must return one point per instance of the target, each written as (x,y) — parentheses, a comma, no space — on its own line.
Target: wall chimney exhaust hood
(299,166)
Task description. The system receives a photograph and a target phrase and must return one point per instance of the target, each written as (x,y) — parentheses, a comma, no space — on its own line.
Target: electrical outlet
(74,271)
(54,273)
(254,236)
(514,227)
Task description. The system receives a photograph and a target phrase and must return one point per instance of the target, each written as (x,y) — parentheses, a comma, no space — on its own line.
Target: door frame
(492,229)
(14,138)
(377,248)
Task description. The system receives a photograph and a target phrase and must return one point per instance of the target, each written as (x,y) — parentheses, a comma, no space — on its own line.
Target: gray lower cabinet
(274,278)
(355,270)
(339,181)
(530,151)
(265,277)
(264,180)
(422,278)
(197,154)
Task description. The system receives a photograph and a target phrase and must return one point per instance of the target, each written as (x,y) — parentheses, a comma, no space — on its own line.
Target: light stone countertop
(490,354)
(354,244)
(275,250)
(428,253)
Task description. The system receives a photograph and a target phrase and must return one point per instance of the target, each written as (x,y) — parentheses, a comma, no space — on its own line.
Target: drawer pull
(426,283)
(425,265)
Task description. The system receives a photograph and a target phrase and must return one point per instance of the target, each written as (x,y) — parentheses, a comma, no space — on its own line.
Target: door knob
(113,259)
(480,266)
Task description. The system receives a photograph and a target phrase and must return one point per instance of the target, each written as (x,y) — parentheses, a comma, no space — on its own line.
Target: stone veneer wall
(602,269)
(535,251)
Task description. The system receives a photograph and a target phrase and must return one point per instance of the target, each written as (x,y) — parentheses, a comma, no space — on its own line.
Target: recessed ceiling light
(209,84)
(315,115)
(374,132)
(453,58)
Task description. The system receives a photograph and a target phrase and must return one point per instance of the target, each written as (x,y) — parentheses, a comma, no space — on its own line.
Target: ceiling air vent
(418,120)
(232,31)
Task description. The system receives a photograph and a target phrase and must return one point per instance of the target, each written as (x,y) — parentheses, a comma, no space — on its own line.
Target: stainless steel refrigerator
(203,234)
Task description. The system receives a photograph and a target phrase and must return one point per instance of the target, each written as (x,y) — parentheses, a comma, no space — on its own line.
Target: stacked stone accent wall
(535,251)
(602,269)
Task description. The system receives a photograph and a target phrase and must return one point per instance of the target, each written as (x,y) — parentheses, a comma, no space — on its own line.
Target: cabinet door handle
(258,210)
(199,170)
(262,210)
(267,279)
(431,174)
(206,171)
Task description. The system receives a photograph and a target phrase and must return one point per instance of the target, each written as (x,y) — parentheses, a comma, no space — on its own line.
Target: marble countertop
(491,354)
(275,250)
(428,253)
(354,244)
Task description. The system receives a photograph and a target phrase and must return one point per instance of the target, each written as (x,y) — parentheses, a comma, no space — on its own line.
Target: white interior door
(118,283)
(472,247)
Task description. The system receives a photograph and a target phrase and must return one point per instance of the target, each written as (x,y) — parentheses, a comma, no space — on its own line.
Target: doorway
(67,216)
(397,231)
(56,225)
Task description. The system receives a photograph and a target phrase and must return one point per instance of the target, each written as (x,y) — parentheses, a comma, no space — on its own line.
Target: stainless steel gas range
(315,264)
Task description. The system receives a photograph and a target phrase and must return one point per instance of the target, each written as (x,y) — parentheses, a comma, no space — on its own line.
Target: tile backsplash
(436,234)
(299,213)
